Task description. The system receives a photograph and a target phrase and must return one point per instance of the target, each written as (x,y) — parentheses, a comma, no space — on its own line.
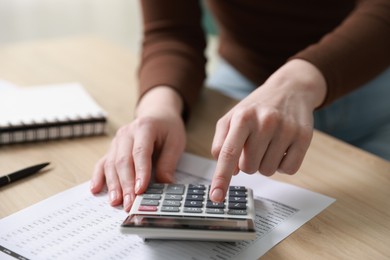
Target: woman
(303,62)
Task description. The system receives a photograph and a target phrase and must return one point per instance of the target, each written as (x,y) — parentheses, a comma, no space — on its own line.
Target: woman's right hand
(155,139)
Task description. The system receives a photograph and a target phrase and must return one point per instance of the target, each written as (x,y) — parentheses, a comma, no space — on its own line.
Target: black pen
(9,178)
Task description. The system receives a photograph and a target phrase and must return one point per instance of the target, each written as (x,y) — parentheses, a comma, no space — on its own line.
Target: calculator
(184,212)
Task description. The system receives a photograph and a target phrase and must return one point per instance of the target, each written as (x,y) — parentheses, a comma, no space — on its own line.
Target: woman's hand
(156,138)
(271,129)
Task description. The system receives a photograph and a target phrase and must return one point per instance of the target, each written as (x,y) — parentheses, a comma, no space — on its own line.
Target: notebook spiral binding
(34,132)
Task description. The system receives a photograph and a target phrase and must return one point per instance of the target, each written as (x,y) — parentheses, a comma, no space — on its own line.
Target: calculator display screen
(196,223)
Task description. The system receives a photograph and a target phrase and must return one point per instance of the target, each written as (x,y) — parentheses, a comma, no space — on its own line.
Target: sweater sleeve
(173,48)
(356,51)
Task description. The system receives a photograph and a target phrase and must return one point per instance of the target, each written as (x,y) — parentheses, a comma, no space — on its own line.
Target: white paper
(77,225)
(6,85)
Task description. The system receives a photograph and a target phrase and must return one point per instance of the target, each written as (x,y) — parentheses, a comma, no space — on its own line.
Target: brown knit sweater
(347,40)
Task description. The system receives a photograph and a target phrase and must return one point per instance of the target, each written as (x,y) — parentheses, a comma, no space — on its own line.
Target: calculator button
(195,197)
(237,206)
(193,203)
(152,196)
(175,189)
(237,193)
(147,208)
(211,204)
(154,191)
(146,202)
(237,199)
(215,211)
(237,188)
(174,203)
(237,212)
(192,210)
(170,209)
(195,192)
(196,187)
(173,197)
(156,186)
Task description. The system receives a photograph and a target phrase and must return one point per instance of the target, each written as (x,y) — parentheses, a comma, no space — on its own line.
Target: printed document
(78,225)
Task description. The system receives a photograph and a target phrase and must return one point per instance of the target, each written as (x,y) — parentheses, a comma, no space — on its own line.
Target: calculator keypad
(192,199)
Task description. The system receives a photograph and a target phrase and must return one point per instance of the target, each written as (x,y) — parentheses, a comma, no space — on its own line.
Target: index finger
(142,157)
(227,162)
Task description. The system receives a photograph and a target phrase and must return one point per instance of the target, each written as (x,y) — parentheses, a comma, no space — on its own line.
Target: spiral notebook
(43,113)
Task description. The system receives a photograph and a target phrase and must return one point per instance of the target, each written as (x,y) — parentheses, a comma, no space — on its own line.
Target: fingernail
(113,196)
(126,201)
(92,185)
(137,185)
(217,195)
(132,198)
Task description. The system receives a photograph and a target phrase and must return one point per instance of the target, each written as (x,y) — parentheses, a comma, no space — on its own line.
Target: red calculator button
(147,208)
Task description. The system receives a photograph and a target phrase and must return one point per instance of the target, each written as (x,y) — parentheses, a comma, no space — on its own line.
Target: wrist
(160,99)
(302,77)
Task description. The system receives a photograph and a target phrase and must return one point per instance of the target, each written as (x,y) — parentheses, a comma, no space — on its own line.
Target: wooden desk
(356,226)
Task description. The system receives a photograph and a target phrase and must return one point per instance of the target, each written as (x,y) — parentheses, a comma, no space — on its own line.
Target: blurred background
(118,21)
(29,20)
